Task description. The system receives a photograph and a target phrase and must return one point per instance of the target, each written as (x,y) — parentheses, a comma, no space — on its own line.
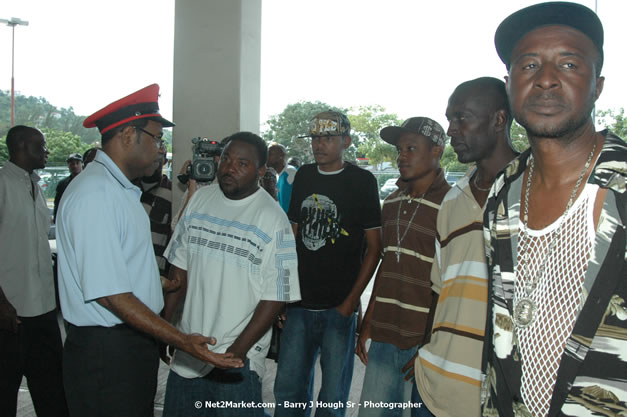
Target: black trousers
(34,352)
(110,371)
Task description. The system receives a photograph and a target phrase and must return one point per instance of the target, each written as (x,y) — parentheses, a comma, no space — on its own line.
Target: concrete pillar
(217,60)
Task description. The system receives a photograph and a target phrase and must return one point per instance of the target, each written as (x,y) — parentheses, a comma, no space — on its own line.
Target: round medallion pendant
(524,312)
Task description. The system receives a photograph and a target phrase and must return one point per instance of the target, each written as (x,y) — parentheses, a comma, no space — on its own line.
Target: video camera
(203,167)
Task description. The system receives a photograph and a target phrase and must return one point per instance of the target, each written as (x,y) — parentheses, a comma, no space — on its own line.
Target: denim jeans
(384,383)
(216,394)
(307,334)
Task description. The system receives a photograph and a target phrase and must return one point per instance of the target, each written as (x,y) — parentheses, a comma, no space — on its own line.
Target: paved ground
(25,406)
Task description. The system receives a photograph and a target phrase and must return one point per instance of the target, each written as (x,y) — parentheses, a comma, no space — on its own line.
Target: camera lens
(204,169)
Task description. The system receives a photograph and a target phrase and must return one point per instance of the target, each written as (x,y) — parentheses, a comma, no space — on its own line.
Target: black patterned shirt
(592,376)
(157,201)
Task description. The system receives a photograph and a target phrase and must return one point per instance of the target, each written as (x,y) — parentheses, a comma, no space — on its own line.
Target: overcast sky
(407,55)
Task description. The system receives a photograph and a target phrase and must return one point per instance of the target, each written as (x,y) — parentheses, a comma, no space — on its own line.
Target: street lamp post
(14,21)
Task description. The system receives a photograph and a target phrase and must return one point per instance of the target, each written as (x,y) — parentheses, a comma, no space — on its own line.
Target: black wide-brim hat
(518,24)
(142,104)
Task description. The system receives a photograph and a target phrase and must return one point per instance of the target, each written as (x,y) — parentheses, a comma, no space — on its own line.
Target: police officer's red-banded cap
(142,104)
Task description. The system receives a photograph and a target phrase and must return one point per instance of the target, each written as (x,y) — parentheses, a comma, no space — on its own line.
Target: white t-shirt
(236,253)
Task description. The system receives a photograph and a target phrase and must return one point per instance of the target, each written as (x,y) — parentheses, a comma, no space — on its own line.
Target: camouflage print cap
(329,123)
(424,126)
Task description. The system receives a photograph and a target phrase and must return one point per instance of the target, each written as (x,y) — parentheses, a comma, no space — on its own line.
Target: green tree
(286,127)
(5,114)
(61,144)
(614,120)
(519,137)
(449,162)
(39,113)
(167,138)
(4,152)
(366,123)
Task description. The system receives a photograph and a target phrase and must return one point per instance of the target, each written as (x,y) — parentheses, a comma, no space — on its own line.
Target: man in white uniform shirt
(109,283)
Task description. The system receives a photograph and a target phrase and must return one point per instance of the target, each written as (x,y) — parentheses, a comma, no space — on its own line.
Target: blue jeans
(384,383)
(307,334)
(216,394)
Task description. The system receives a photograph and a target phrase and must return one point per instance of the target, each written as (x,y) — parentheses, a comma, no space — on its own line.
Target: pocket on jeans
(344,318)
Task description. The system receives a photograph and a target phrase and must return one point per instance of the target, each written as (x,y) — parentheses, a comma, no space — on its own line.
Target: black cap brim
(391,134)
(514,27)
(164,122)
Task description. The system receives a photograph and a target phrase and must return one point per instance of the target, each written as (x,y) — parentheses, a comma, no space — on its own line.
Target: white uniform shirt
(104,245)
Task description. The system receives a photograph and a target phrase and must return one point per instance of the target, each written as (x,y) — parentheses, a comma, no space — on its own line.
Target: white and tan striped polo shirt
(448,369)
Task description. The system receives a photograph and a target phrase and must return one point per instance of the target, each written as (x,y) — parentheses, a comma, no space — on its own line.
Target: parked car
(453,177)
(44,180)
(389,187)
(52,232)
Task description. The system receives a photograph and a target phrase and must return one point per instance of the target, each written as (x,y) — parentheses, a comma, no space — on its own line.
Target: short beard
(464,158)
(558,131)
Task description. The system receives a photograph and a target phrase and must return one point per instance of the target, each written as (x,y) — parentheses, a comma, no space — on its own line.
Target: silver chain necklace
(399,238)
(525,307)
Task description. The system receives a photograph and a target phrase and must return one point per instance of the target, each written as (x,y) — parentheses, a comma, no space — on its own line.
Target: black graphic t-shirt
(332,212)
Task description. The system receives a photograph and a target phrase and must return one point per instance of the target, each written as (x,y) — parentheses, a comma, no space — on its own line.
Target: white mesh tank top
(557,296)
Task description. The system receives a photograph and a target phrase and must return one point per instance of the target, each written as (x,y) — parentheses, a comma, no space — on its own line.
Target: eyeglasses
(157,138)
